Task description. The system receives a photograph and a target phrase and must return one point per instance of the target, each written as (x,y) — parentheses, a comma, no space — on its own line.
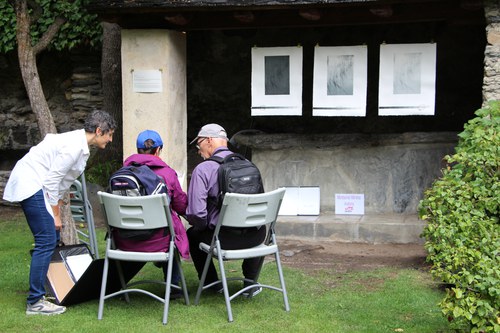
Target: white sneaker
(44,307)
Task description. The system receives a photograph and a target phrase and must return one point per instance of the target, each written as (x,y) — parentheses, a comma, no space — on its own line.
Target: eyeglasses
(198,143)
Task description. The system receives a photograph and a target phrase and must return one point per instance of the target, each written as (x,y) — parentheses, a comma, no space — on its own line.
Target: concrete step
(369,228)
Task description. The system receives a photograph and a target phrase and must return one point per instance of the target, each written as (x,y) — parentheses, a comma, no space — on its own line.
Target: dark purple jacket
(203,191)
(178,203)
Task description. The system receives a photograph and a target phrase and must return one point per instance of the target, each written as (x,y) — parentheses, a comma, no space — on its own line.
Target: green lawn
(383,300)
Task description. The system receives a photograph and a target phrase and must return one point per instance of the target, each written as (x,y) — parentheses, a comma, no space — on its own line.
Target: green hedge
(462,233)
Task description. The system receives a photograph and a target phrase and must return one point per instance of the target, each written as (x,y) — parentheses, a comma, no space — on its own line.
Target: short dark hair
(101,119)
(149,147)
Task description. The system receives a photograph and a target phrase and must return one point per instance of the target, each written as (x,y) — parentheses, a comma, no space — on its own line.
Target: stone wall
(391,170)
(72,87)
(491,83)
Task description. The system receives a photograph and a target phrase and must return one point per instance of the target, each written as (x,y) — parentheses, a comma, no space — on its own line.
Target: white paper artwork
(277,81)
(303,200)
(407,79)
(147,81)
(340,81)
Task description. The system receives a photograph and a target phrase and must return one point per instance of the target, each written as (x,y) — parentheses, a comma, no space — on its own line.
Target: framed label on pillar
(147,81)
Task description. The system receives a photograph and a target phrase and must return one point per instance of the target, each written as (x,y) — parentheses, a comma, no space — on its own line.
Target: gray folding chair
(81,210)
(243,211)
(139,213)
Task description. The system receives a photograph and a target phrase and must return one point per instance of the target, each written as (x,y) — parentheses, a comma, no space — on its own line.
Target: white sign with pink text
(350,204)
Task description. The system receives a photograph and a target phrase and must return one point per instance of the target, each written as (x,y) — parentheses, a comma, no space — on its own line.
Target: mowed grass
(382,300)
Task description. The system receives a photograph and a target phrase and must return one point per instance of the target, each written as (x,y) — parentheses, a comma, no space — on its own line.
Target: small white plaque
(147,81)
(350,204)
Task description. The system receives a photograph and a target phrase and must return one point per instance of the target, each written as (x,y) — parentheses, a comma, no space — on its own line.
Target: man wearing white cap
(203,211)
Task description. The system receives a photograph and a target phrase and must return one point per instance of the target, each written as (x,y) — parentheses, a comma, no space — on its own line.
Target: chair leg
(122,279)
(203,277)
(183,279)
(282,281)
(225,286)
(103,288)
(168,282)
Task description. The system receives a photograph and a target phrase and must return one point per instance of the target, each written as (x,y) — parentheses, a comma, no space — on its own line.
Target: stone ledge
(370,229)
(260,140)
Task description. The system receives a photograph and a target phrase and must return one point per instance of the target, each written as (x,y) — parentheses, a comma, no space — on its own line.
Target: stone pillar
(165,111)
(491,81)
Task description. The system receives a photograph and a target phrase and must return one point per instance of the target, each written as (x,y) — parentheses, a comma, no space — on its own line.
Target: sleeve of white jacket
(62,163)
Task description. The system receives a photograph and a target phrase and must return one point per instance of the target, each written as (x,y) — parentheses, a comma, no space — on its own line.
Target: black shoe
(216,288)
(176,293)
(252,291)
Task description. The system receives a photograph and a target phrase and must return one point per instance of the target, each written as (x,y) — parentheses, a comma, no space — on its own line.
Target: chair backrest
(250,210)
(137,213)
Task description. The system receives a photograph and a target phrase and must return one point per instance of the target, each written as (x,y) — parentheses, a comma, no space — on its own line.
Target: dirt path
(346,257)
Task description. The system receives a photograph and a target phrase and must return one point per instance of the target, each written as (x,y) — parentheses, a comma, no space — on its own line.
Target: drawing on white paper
(407,72)
(340,80)
(277,81)
(277,75)
(407,79)
(340,75)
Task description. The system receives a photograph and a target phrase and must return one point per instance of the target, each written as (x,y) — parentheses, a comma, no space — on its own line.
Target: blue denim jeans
(46,237)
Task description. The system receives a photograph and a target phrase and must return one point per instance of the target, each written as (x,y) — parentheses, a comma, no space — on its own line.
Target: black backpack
(133,181)
(236,174)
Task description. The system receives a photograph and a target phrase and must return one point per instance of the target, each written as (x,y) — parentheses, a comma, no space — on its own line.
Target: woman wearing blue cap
(149,146)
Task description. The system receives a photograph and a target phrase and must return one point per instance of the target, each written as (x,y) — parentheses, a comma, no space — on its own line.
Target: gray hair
(101,119)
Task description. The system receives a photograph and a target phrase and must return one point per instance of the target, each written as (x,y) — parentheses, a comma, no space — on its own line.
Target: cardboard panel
(68,290)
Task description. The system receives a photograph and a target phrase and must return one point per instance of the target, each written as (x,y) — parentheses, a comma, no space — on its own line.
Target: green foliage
(98,172)
(7,27)
(463,230)
(80,27)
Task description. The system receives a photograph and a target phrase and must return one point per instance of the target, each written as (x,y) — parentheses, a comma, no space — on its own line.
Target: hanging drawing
(340,81)
(407,79)
(277,81)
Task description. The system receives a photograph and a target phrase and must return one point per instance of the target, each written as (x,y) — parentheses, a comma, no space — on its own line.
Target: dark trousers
(230,239)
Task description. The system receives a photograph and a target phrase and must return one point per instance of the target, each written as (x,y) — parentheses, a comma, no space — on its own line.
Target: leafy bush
(463,229)
(99,171)
(80,28)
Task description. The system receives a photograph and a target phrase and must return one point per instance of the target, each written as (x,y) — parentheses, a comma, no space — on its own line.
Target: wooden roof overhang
(186,15)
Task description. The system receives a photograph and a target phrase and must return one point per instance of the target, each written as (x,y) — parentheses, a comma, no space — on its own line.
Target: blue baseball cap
(149,135)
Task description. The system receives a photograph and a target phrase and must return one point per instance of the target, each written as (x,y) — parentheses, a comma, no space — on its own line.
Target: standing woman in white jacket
(39,181)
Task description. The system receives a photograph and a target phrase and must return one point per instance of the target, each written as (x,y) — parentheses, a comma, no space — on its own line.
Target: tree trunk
(29,72)
(112,85)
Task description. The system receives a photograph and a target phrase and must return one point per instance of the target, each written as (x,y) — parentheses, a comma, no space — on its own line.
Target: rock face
(392,171)
(72,86)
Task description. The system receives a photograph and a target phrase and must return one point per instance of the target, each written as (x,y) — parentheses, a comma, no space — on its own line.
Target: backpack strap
(216,158)
(218,200)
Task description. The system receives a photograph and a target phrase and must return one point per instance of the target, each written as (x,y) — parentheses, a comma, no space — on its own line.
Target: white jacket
(52,165)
